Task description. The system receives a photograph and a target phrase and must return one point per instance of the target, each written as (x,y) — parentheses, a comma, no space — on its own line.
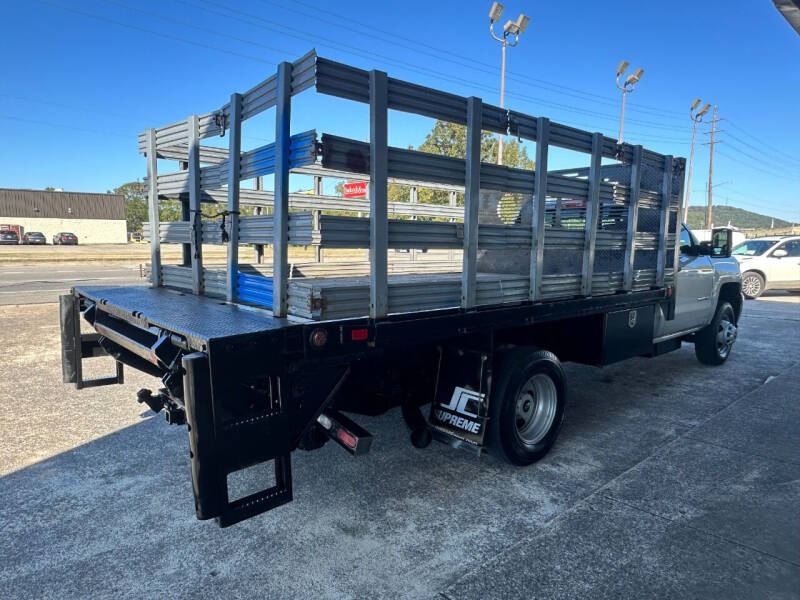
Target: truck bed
(200,319)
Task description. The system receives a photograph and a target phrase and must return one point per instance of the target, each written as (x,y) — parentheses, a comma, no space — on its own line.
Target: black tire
(514,371)
(713,344)
(752,285)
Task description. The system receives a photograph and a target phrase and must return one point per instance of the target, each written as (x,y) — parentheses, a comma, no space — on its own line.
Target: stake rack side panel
(593,230)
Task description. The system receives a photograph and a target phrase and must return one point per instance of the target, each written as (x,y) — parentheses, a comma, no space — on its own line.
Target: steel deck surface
(200,317)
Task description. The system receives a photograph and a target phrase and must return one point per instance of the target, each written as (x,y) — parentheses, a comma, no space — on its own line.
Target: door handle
(703,298)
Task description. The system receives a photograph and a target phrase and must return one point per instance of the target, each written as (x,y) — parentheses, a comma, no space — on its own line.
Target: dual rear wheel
(527,406)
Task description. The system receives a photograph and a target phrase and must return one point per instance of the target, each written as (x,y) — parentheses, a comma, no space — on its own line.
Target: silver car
(769,263)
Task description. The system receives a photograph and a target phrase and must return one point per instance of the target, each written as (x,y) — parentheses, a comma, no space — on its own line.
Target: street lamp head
(522,22)
(495,12)
(703,110)
(622,67)
(694,104)
(635,77)
(510,28)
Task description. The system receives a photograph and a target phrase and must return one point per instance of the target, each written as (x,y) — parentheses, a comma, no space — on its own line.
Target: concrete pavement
(670,479)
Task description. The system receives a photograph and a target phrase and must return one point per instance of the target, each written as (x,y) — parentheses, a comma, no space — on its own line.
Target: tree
(135,204)
(450,139)
(49,188)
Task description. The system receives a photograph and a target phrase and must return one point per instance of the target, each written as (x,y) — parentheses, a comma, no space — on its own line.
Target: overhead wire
(271,25)
(255,20)
(416,44)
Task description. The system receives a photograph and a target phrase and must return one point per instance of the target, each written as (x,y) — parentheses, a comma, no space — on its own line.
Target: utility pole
(696,118)
(711,143)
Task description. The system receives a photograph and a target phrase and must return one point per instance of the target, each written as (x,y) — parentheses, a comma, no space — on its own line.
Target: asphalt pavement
(38,284)
(670,480)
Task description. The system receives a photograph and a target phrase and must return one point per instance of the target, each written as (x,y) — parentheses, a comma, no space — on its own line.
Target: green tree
(135,204)
(450,139)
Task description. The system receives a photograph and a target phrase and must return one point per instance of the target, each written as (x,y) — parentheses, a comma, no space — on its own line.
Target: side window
(792,248)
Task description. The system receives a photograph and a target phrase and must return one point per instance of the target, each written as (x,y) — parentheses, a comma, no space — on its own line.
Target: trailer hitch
(174,412)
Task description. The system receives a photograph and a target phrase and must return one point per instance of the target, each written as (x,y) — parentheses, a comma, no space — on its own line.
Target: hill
(738,217)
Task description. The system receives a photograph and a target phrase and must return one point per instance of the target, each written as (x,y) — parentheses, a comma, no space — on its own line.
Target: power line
(282,31)
(272,49)
(755,158)
(152,32)
(352,50)
(751,136)
(61,105)
(415,45)
(249,18)
(61,126)
(752,166)
(741,141)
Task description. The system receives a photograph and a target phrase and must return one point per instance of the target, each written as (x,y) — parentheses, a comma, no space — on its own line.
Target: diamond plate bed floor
(201,317)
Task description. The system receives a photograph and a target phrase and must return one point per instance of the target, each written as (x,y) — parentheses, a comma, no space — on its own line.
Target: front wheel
(713,343)
(752,285)
(527,403)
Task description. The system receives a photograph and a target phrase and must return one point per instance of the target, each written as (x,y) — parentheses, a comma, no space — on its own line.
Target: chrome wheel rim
(536,408)
(751,286)
(726,335)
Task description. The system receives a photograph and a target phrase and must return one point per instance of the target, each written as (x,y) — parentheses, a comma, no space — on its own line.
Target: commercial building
(94,218)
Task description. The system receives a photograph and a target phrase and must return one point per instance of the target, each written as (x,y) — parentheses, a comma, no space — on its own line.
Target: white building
(94,218)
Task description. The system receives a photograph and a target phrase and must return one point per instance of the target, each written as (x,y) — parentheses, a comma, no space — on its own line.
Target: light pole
(626,87)
(510,28)
(696,117)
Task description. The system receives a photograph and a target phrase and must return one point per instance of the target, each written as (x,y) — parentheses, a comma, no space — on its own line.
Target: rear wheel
(713,344)
(752,285)
(527,405)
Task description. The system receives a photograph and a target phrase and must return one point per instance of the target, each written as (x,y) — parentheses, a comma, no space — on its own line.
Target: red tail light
(347,438)
(359,335)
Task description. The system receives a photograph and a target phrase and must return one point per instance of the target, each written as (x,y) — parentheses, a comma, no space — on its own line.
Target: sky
(81,79)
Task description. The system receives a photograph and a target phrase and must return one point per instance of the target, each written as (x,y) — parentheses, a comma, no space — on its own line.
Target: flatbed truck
(258,361)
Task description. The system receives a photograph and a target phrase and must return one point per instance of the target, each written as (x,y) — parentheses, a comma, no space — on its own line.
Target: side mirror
(721,242)
(780,253)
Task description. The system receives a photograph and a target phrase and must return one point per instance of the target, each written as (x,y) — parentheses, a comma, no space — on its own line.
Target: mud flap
(460,408)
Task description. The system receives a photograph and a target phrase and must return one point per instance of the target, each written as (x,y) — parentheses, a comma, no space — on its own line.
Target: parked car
(65,237)
(8,236)
(769,263)
(34,238)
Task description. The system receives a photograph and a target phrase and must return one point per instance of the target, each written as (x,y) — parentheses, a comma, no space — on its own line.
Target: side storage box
(627,333)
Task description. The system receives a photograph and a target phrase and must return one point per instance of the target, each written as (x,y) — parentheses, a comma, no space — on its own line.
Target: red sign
(356,189)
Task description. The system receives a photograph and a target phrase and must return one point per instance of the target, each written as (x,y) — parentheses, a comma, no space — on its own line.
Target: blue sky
(81,79)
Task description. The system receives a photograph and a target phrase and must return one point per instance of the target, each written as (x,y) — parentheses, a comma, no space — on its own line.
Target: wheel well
(732,292)
(763,275)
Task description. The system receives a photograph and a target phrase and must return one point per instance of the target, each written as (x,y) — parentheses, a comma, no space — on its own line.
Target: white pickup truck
(708,298)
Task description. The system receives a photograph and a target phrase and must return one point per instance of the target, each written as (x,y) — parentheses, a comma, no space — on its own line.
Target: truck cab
(707,295)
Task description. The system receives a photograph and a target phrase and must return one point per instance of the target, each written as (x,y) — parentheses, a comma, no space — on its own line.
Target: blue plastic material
(254,289)
(301,153)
